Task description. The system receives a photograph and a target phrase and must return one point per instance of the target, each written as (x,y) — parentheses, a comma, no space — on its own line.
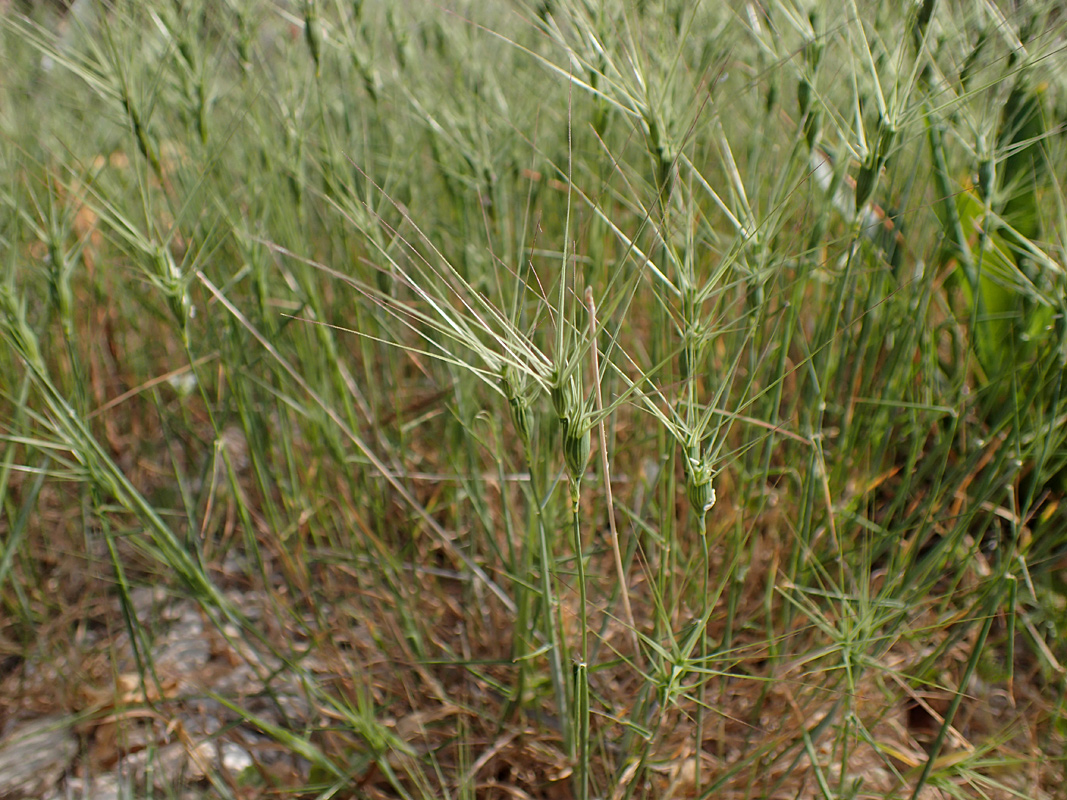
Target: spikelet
(518,406)
(566,396)
(16,328)
(867,179)
(577,440)
(698,485)
(521,417)
(691,357)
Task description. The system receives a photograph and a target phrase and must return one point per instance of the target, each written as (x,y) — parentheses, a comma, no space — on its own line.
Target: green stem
(555,659)
(576,532)
(950,715)
(581,708)
(704,663)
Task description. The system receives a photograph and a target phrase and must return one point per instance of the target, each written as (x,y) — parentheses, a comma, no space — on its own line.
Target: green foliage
(670,393)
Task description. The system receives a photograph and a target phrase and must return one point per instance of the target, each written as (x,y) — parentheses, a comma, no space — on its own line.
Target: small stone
(34,755)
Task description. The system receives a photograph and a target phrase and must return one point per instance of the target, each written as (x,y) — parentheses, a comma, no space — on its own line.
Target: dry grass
(268,525)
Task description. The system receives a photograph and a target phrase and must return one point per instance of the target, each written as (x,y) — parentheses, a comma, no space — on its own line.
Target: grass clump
(596,399)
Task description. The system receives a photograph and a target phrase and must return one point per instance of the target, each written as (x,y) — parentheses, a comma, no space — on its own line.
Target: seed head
(867,179)
(521,417)
(577,440)
(566,396)
(518,406)
(698,486)
(14,325)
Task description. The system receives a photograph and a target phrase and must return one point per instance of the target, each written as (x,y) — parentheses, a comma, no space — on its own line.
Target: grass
(618,399)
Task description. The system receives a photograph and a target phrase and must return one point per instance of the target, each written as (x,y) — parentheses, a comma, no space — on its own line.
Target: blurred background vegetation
(615,399)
